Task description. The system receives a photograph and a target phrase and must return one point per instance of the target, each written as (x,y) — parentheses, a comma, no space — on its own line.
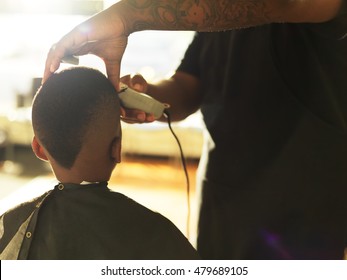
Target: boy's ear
(38,150)
(116,149)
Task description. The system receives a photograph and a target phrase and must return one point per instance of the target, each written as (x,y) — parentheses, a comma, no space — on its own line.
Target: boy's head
(76,122)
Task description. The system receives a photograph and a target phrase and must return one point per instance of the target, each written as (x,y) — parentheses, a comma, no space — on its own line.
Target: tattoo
(243,13)
(200,15)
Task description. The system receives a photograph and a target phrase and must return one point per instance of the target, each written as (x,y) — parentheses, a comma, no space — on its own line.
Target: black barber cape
(89,222)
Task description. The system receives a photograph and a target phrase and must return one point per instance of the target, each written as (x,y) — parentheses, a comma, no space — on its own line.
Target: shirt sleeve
(190,61)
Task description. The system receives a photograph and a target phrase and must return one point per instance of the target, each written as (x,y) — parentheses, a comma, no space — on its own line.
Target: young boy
(76,122)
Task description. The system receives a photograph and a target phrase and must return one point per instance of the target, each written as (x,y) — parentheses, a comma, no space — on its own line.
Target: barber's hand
(139,84)
(102,35)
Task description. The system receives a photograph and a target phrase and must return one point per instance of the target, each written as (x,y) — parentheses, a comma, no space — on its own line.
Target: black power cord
(184,165)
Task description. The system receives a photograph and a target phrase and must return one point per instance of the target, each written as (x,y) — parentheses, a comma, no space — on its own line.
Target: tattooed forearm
(200,15)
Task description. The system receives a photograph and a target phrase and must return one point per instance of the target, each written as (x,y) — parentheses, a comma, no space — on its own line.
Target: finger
(129,120)
(148,119)
(132,116)
(70,44)
(48,66)
(125,79)
(138,115)
(111,51)
(139,83)
(126,119)
(113,73)
(46,74)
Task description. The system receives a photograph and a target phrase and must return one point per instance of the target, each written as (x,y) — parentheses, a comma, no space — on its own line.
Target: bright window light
(87,7)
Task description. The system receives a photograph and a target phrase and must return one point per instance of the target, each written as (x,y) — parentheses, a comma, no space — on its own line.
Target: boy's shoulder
(13,226)
(23,210)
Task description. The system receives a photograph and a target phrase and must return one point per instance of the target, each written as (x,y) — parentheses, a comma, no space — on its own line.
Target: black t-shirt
(275,106)
(258,82)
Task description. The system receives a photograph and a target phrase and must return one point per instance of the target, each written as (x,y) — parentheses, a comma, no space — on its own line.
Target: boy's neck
(75,177)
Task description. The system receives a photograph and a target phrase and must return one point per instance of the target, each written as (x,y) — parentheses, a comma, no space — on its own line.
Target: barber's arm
(181,92)
(106,33)
(218,15)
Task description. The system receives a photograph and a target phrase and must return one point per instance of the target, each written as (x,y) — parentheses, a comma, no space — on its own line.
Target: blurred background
(151,171)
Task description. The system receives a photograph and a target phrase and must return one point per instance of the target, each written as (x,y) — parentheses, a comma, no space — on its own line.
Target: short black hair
(64,108)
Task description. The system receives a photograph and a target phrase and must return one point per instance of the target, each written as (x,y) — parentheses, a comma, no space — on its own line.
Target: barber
(272,93)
